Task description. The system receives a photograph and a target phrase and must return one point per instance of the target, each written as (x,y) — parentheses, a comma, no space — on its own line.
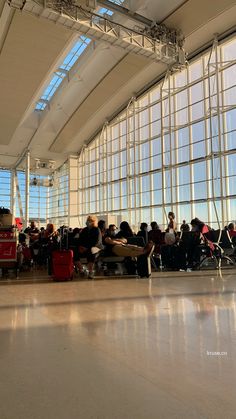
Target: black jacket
(90,237)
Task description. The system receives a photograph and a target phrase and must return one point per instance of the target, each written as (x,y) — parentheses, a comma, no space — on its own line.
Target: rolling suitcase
(62,265)
(62,262)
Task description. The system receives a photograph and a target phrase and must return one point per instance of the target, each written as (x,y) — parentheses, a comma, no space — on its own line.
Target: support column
(163,174)
(211,115)
(73,191)
(27,182)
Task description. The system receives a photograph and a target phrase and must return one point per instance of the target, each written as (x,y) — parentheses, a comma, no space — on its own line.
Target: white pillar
(27,181)
(73,192)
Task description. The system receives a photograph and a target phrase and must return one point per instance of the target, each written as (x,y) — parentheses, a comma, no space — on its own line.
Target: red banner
(7,251)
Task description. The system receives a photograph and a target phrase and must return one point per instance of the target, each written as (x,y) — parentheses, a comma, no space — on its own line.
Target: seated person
(110,238)
(232,232)
(90,243)
(117,245)
(74,246)
(199,226)
(102,226)
(184,226)
(23,252)
(156,236)
(143,232)
(170,252)
(201,241)
(33,232)
(125,231)
(51,237)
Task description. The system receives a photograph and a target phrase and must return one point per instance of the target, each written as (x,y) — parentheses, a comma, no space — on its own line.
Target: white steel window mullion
(192,197)
(221,146)
(211,137)
(207,144)
(108,158)
(169,131)
(47,203)
(104,176)
(83,182)
(128,189)
(135,177)
(99,175)
(138,172)
(105,151)
(151,183)
(120,166)
(225,142)
(176,165)
(164,214)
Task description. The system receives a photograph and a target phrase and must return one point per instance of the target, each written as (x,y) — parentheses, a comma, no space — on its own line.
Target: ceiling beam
(165,47)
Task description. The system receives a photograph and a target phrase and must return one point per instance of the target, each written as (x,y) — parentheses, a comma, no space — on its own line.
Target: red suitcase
(62,265)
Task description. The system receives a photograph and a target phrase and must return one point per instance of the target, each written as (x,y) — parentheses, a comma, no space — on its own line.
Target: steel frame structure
(215,157)
(167,48)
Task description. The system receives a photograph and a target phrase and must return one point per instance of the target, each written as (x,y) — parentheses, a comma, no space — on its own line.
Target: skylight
(120,2)
(71,58)
(104,10)
(60,74)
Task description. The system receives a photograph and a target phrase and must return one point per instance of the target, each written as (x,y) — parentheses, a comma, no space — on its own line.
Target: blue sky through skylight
(104,10)
(57,78)
(71,58)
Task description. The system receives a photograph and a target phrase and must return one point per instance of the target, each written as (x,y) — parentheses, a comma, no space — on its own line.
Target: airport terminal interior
(117,209)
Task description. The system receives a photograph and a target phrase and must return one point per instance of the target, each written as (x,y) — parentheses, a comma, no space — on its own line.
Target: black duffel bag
(4,211)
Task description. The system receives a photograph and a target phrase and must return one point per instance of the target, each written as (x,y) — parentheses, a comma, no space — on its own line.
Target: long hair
(124,226)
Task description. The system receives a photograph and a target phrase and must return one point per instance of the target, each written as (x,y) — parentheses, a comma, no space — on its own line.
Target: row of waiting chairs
(223,251)
(218,248)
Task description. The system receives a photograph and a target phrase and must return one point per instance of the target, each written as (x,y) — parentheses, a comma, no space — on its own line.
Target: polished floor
(119,349)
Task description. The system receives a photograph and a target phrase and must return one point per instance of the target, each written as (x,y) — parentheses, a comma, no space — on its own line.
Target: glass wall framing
(58,197)
(172,149)
(38,198)
(5,192)
(13,197)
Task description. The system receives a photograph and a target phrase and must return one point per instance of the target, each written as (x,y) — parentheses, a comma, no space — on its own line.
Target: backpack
(4,211)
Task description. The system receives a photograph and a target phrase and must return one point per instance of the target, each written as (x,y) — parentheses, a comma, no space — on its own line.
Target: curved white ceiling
(103,79)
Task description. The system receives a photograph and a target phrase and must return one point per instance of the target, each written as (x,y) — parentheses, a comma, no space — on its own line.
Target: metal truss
(166,47)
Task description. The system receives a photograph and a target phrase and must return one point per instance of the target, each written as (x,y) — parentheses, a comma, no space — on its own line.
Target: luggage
(130,266)
(62,265)
(27,254)
(144,265)
(173,257)
(4,210)
(6,220)
(63,259)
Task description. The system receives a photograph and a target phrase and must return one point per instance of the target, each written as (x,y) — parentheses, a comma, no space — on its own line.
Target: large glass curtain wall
(38,198)
(58,197)
(5,195)
(38,195)
(46,203)
(173,149)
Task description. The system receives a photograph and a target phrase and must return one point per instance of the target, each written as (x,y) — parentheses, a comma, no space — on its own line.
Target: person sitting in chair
(118,246)
(90,244)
